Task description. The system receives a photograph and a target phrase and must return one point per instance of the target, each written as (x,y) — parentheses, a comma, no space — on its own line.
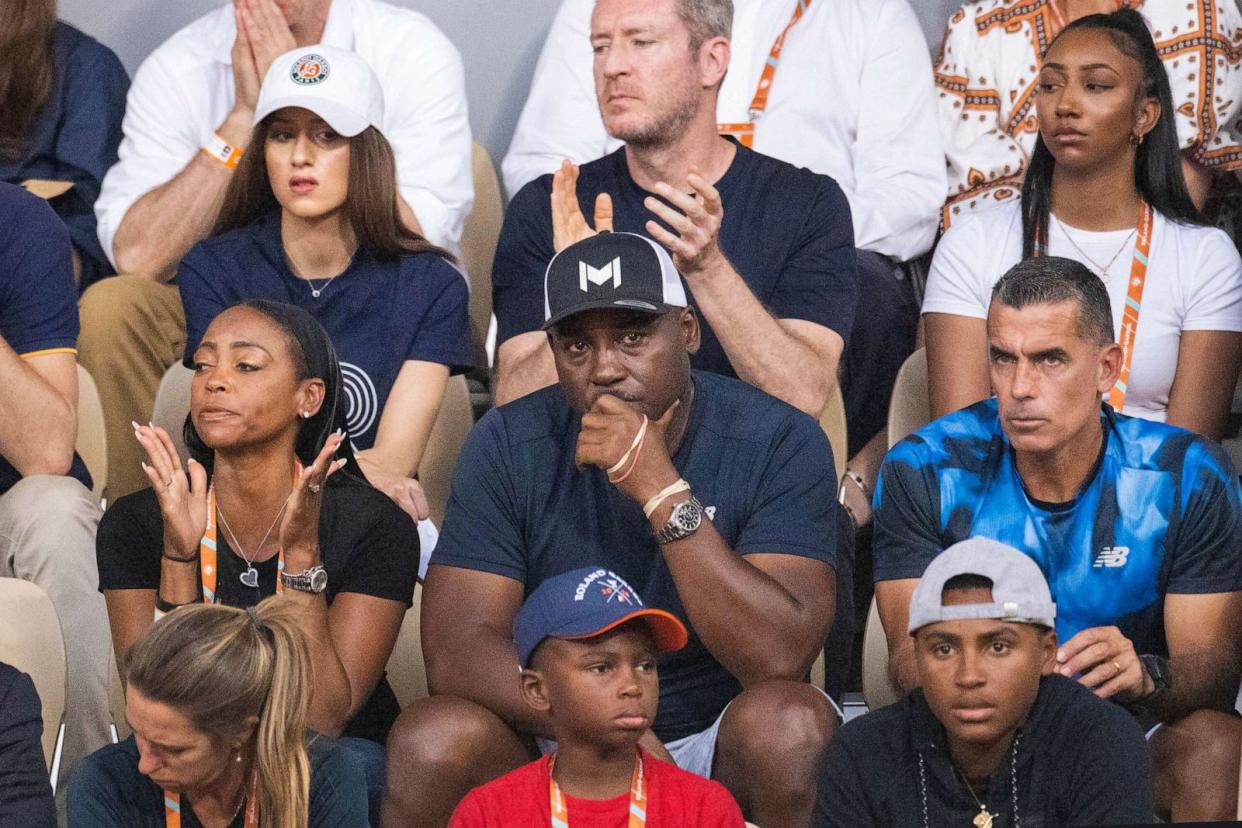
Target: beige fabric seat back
(478,245)
(832,421)
(407,672)
(30,640)
(910,406)
(172,405)
(92,441)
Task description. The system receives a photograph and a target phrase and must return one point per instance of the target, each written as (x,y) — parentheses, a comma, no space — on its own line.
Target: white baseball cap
(1019,590)
(335,84)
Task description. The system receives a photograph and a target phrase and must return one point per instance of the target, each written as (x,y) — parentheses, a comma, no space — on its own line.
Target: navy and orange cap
(585,603)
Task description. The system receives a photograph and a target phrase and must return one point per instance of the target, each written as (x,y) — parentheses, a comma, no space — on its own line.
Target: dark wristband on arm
(168,606)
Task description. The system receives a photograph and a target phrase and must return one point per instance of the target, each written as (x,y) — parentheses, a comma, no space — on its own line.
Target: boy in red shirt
(588,646)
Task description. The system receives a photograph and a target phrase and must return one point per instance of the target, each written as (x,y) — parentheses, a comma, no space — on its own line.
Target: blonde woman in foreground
(217,697)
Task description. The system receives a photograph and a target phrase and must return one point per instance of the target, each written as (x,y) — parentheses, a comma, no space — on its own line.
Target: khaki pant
(133,329)
(47,536)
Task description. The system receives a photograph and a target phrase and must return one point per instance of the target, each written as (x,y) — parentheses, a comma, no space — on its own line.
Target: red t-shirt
(674,798)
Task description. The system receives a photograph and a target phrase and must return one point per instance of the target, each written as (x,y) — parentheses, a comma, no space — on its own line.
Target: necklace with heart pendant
(250,577)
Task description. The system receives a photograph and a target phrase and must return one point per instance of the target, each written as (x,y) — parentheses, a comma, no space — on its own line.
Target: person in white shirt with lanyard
(1104,188)
(188,120)
(842,87)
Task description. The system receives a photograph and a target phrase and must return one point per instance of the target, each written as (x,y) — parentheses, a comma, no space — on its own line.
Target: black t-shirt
(1081,761)
(786,230)
(368,546)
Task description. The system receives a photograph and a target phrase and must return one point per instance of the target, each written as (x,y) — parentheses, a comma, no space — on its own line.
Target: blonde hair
(219,665)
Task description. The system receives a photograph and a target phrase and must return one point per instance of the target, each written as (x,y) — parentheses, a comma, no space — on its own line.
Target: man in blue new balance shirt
(1136,525)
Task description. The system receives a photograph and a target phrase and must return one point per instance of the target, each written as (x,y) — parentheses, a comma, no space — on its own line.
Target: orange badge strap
(1134,300)
(172,805)
(638,796)
(745,132)
(207,547)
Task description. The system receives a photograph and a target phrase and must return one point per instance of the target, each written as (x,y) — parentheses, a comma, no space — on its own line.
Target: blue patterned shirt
(1159,514)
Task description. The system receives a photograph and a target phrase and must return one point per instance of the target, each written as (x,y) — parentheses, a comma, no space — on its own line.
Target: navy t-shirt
(107,791)
(75,136)
(379,313)
(787,232)
(522,509)
(38,299)
(1160,514)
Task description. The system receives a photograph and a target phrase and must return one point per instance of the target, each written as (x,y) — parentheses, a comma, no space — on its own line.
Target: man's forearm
(162,225)
(522,369)
(38,425)
(748,621)
(760,349)
(1201,681)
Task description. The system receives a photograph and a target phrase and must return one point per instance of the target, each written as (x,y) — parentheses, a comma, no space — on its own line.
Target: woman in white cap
(312,219)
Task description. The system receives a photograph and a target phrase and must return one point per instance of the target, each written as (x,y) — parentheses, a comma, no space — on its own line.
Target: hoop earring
(1136,141)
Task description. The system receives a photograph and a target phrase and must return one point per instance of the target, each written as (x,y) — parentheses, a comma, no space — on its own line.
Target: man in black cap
(714,499)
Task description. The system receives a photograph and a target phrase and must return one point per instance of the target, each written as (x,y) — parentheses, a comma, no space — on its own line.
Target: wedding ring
(1118,667)
(315,487)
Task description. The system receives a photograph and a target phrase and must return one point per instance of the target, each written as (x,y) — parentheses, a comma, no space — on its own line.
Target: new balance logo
(1112,557)
(599,276)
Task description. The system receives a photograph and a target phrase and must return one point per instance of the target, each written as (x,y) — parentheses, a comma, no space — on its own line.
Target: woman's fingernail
(191,460)
(144,464)
(134,423)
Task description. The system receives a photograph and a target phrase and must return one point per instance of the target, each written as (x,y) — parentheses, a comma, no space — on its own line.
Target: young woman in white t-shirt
(1107,145)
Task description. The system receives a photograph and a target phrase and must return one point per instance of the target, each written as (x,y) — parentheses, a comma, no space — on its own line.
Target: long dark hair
(371,203)
(1157,162)
(26,70)
(314,356)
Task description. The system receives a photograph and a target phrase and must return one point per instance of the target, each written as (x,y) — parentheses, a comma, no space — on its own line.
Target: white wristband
(651,505)
(222,151)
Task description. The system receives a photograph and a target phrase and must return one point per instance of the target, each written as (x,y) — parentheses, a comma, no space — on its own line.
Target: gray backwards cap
(1019,590)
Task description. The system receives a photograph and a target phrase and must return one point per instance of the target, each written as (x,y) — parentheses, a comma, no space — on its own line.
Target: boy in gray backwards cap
(993,737)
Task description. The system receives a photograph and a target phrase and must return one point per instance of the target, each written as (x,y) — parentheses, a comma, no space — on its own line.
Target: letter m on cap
(599,275)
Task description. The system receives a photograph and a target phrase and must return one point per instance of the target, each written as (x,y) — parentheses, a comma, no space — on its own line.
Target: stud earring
(305,415)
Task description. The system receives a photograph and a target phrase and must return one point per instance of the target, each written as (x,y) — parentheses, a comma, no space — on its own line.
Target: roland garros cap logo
(310,69)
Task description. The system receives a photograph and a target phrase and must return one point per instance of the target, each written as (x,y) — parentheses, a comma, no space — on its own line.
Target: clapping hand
(182,498)
(263,34)
(695,220)
(569,226)
(299,528)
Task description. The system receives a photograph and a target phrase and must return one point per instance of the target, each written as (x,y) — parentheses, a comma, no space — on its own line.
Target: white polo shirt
(184,90)
(852,99)
(1194,283)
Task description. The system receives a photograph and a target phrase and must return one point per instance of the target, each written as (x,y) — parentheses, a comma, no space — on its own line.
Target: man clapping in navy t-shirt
(711,497)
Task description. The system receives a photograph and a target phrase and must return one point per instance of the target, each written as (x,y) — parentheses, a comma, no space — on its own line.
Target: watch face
(319,580)
(688,515)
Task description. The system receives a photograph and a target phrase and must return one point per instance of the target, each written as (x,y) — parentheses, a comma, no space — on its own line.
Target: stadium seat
(407,673)
(172,405)
(453,423)
(877,690)
(30,640)
(478,246)
(832,421)
(910,406)
(92,442)
(116,701)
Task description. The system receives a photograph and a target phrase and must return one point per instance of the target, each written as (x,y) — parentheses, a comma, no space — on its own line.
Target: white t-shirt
(184,89)
(1194,283)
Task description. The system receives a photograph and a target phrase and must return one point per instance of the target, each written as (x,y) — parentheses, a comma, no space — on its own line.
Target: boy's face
(981,677)
(601,690)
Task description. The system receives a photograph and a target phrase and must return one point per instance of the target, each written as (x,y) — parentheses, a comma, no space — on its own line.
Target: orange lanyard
(745,132)
(207,549)
(1134,300)
(638,796)
(172,805)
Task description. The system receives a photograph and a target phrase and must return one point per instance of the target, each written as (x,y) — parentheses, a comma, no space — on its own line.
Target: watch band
(313,580)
